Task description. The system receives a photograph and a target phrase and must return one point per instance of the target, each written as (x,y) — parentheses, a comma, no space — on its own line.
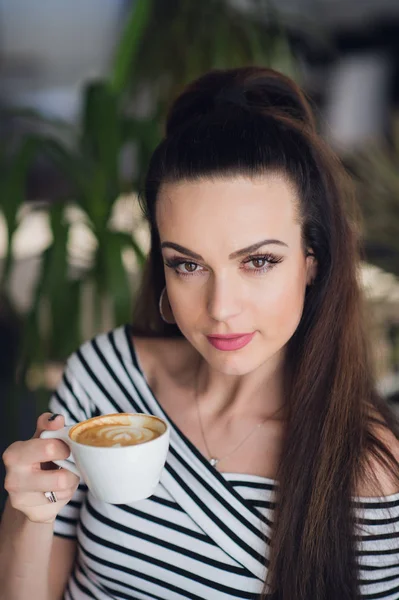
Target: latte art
(115,431)
(123,435)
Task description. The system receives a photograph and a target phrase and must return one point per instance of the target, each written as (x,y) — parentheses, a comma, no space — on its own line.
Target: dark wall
(9,336)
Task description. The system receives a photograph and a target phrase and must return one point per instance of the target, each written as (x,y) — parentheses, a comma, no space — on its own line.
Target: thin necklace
(212,459)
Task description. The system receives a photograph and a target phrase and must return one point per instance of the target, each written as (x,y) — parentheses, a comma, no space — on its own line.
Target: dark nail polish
(54,416)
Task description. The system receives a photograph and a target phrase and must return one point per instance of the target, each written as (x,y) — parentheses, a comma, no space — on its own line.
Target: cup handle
(62,434)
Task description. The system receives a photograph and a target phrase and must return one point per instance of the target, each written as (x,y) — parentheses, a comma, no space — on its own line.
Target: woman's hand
(29,473)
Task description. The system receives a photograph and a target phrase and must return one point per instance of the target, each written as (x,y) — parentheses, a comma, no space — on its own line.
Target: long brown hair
(247,122)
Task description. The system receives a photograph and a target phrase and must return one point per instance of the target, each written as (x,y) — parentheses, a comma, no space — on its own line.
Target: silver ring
(51,496)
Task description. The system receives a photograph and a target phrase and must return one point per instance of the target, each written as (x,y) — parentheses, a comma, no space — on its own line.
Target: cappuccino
(117,430)
(120,456)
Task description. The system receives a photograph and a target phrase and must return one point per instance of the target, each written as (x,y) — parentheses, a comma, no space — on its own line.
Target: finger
(35,451)
(44,423)
(25,481)
(30,500)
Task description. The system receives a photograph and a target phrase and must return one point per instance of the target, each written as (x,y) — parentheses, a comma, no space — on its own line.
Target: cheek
(283,303)
(184,298)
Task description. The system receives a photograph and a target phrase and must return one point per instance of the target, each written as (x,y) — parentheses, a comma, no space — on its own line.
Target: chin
(236,371)
(233,364)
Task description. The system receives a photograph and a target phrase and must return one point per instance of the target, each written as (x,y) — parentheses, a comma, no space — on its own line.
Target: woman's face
(234,264)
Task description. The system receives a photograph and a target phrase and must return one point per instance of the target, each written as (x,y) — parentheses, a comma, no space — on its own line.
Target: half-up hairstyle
(247,122)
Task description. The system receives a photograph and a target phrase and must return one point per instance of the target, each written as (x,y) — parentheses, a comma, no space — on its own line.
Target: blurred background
(84,88)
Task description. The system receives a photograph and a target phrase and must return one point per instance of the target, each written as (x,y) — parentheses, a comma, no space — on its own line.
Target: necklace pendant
(214,461)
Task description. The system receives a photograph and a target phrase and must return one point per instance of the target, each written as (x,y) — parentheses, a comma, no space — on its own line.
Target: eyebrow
(233,255)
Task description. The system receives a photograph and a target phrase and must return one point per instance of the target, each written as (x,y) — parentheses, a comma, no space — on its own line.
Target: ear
(311,266)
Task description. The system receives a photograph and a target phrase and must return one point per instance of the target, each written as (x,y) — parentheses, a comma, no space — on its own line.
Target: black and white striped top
(203,535)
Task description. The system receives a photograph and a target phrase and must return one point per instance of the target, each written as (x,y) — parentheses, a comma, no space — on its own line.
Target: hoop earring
(161,309)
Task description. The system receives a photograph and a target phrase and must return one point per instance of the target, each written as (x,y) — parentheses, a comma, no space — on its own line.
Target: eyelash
(271,259)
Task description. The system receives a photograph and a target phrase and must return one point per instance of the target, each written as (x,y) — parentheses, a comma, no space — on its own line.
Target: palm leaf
(117,279)
(12,192)
(127,53)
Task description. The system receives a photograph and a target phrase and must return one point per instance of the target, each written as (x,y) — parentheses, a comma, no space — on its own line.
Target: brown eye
(258,263)
(190,267)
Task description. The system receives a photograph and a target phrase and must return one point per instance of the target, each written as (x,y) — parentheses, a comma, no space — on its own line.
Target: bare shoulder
(385,479)
(171,356)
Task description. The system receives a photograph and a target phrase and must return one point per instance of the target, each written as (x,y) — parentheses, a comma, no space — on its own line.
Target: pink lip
(230,342)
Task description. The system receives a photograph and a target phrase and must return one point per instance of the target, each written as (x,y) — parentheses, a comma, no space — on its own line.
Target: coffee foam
(117,430)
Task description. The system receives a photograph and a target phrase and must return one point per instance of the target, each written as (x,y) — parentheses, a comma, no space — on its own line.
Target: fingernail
(54,416)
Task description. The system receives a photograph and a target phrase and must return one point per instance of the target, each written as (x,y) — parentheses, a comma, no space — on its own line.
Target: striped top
(203,535)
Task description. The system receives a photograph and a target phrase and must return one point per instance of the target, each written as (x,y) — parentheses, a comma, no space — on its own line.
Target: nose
(224,299)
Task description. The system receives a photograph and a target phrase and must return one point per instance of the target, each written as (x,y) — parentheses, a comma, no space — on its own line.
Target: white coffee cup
(117,474)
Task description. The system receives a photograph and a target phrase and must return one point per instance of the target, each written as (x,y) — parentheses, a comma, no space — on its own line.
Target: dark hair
(247,122)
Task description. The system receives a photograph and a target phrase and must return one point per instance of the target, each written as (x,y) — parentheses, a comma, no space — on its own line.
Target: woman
(249,337)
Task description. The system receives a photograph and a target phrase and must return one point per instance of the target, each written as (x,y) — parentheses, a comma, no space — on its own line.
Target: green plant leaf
(12,191)
(65,309)
(146,134)
(67,160)
(56,271)
(117,278)
(58,296)
(37,118)
(101,131)
(101,144)
(33,347)
(77,168)
(127,53)
(127,241)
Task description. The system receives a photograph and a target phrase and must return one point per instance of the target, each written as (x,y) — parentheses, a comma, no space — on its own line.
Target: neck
(258,394)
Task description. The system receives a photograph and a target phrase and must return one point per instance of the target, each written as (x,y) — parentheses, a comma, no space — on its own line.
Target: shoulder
(380,481)
(167,356)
